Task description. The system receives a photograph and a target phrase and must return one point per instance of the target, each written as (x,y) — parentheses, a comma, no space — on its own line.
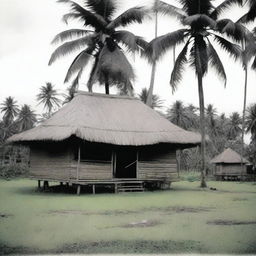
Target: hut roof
(118,120)
(228,156)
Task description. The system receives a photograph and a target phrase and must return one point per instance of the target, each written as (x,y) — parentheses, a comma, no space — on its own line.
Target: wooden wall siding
(61,165)
(92,170)
(54,164)
(230,169)
(157,166)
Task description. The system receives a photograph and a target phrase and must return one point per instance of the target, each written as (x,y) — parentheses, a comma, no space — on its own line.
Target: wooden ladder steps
(130,187)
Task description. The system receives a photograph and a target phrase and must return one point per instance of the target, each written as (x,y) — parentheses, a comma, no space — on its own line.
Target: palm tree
(101,42)
(10,110)
(251,122)
(234,126)
(157,102)
(26,118)
(49,97)
(200,27)
(180,115)
(211,114)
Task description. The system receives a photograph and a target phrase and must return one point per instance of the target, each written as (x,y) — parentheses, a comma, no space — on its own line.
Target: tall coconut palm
(48,96)
(26,118)
(101,42)
(10,109)
(156,102)
(200,29)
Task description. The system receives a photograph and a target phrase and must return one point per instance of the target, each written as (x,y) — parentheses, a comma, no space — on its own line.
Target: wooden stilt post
(78,190)
(39,184)
(116,188)
(93,189)
(46,184)
(78,163)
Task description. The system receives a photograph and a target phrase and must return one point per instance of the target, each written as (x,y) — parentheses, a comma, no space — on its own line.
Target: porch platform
(119,185)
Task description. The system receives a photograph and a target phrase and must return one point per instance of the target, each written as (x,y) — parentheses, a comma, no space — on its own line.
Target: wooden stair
(130,187)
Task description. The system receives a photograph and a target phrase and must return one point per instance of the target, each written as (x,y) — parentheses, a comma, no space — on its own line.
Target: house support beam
(78,190)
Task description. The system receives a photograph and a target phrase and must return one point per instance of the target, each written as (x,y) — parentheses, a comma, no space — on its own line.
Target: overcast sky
(28,26)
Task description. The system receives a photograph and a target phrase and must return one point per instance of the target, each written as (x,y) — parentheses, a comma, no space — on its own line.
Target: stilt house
(230,165)
(105,139)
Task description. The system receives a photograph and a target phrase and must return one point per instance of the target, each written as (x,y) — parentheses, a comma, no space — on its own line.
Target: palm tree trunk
(106,84)
(202,129)
(153,71)
(244,108)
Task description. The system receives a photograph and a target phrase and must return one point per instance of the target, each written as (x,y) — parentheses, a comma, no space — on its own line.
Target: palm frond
(178,69)
(69,35)
(233,30)
(254,64)
(89,18)
(115,65)
(104,8)
(79,62)
(216,63)
(70,47)
(135,14)
(168,9)
(158,46)
(199,56)
(233,49)
(250,16)
(199,21)
(132,42)
(192,7)
(224,6)
(93,74)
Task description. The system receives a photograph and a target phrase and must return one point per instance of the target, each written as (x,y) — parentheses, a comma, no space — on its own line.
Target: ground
(182,220)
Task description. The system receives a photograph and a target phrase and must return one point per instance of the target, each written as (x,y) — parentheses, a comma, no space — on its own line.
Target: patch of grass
(174,221)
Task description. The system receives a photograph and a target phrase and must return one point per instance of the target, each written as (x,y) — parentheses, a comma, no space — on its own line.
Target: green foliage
(13,170)
(190,176)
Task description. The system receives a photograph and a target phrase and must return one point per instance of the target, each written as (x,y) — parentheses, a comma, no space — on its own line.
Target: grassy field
(181,220)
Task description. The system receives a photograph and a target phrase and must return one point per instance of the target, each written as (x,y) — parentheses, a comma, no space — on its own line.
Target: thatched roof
(228,156)
(118,120)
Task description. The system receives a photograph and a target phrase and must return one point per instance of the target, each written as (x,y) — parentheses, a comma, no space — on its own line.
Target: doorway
(125,163)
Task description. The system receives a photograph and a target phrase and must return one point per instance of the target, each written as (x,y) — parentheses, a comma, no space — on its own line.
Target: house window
(94,153)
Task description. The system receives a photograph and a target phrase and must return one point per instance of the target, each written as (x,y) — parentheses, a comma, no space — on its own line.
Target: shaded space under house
(230,165)
(99,139)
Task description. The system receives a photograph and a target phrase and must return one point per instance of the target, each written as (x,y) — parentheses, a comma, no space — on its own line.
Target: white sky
(28,26)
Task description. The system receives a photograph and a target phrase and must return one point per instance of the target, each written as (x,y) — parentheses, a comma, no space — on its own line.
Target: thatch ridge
(112,119)
(229,156)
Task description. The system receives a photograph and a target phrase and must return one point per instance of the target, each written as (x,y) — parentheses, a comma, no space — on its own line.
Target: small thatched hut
(229,165)
(105,139)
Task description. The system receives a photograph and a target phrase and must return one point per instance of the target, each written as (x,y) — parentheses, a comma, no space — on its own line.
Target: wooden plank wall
(54,164)
(92,170)
(153,165)
(59,163)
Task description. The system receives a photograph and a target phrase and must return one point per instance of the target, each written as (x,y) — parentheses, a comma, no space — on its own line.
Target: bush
(190,176)
(13,170)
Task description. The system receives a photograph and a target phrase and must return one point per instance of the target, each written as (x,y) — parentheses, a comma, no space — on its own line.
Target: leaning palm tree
(101,42)
(200,29)
(10,110)
(156,101)
(26,118)
(48,96)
